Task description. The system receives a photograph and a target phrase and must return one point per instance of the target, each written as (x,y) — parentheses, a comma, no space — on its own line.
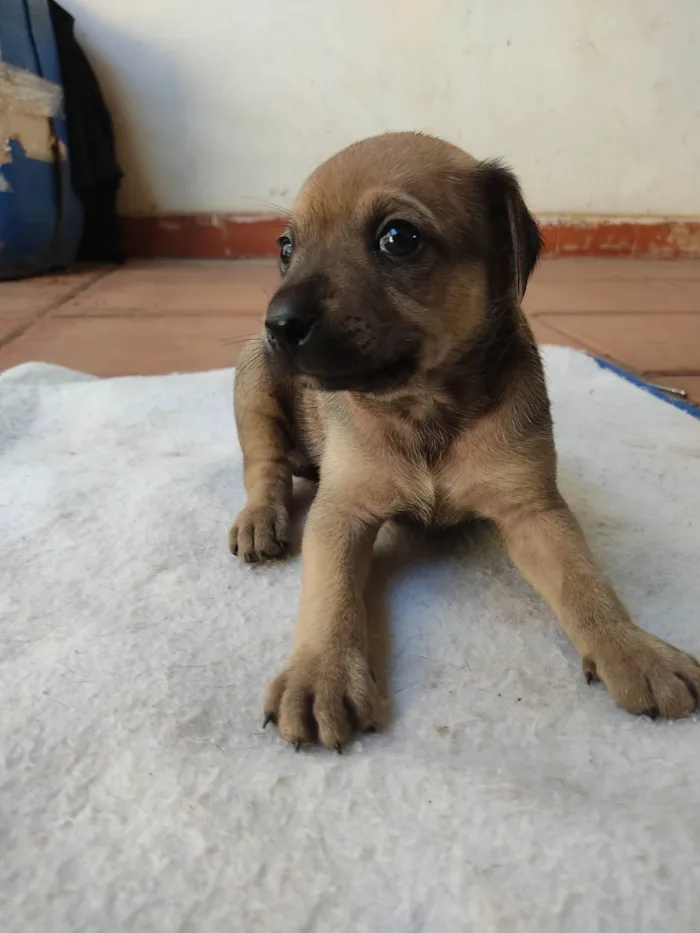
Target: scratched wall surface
(223,104)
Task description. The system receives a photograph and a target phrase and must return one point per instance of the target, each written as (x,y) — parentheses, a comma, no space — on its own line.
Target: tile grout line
(588,348)
(25,328)
(537,315)
(598,350)
(104,274)
(670,373)
(155,315)
(203,312)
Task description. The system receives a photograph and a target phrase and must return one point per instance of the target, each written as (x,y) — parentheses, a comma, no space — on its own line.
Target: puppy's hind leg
(261,530)
(642,673)
(302,466)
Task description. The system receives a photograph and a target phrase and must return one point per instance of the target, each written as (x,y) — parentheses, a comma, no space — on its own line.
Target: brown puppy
(397,363)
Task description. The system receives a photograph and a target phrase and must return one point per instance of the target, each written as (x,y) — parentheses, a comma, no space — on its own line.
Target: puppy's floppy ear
(515,242)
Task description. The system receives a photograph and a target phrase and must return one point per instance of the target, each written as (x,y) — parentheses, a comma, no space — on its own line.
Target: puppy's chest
(433,492)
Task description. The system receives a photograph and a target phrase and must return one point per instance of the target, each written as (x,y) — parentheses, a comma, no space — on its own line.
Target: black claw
(339,748)
(370,730)
(651,713)
(589,671)
(297,745)
(269,718)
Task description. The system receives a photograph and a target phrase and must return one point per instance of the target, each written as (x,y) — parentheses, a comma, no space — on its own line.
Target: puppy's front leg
(642,673)
(326,690)
(261,530)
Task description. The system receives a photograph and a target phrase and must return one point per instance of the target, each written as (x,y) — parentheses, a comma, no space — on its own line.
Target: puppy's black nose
(289,322)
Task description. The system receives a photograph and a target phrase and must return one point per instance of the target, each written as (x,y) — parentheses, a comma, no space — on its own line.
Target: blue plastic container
(41,218)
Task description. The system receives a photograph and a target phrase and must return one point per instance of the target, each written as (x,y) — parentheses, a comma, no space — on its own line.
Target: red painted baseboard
(641,238)
(252,236)
(202,236)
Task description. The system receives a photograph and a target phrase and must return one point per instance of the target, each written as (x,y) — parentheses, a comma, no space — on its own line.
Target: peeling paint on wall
(685,238)
(27,105)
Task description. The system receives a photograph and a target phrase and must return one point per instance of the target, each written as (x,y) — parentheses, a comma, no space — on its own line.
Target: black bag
(95,172)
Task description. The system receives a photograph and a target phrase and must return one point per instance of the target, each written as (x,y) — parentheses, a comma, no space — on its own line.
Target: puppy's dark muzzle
(289,324)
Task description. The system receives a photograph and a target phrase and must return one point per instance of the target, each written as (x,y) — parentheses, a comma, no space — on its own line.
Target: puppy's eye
(286,249)
(399,240)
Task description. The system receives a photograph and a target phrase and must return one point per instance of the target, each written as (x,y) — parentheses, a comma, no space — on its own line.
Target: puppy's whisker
(277,207)
(231,341)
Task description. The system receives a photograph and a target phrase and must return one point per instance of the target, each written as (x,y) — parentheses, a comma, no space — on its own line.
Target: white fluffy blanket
(137,789)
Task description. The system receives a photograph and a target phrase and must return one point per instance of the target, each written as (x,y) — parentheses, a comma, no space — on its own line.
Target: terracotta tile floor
(154,317)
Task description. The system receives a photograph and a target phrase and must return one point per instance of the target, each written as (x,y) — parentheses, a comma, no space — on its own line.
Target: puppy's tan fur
(462,430)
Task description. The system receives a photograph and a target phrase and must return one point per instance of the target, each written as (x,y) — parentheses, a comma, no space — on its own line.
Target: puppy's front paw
(260,533)
(646,675)
(323,695)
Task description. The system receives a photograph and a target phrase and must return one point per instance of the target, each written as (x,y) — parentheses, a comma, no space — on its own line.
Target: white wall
(218,103)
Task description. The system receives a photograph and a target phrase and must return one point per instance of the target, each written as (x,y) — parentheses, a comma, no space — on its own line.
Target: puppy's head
(397,250)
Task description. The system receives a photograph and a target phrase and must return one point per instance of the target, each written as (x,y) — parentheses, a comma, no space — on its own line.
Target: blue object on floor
(41,218)
(687,407)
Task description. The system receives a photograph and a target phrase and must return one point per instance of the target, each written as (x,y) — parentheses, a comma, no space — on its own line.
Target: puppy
(397,365)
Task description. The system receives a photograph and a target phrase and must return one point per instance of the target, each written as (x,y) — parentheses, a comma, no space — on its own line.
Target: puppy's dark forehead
(384,168)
